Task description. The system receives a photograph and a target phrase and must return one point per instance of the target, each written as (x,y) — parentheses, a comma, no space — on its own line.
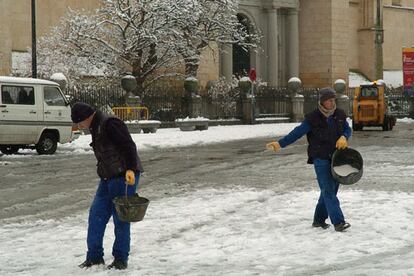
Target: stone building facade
(318,40)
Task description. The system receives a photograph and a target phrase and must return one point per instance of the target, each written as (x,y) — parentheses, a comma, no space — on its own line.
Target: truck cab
(33,114)
(370,107)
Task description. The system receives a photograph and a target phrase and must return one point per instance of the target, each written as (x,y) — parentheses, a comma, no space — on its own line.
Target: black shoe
(340,227)
(323,224)
(118,264)
(89,263)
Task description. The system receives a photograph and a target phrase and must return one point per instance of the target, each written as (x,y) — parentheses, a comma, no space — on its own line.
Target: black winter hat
(326,94)
(80,112)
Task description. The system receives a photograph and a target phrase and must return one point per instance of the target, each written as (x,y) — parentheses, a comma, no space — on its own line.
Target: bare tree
(144,37)
(120,36)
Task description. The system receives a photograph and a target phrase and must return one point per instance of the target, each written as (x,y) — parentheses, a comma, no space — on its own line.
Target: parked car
(33,114)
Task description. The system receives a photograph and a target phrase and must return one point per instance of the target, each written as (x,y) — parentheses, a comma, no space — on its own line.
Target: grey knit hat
(326,94)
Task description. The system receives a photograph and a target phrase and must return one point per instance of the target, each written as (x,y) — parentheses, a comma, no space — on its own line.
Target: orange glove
(130,177)
(273,146)
(341,143)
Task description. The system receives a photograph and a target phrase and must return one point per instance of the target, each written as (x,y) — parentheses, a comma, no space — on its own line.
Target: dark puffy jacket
(112,161)
(322,138)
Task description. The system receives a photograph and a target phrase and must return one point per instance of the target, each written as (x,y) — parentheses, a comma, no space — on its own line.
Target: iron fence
(97,97)
(164,107)
(273,102)
(399,104)
(168,104)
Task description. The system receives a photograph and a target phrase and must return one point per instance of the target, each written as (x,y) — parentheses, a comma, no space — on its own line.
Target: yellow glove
(341,143)
(273,146)
(130,177)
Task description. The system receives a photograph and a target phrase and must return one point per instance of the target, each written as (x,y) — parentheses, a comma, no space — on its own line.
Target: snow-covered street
(219,206)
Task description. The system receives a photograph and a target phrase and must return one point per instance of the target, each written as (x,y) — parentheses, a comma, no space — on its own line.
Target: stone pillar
(247,101)
(226,61)
(293,43)
(298,101)
(194,106)
(272,49)
(192,99)
(342,100)
(248,110)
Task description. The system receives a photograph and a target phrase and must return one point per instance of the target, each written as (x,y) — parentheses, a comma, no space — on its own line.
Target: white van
(33,114)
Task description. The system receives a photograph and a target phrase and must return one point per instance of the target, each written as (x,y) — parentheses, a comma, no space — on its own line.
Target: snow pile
(58,77)
(173,137)
(405,120)
(187,119)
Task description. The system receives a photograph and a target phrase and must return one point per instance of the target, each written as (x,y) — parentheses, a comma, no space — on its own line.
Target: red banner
(408,70)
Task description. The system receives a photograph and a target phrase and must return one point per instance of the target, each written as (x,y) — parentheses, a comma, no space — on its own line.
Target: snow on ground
(229,232)
(232,231)
(405,120)
(174,137)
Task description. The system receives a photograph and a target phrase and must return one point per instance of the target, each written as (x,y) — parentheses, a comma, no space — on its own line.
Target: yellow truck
(370,107)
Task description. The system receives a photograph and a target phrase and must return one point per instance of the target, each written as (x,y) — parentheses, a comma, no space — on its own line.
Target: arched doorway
(241,56)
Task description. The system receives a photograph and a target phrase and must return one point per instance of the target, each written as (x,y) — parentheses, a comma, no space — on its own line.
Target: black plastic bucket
(131,208)
(350,157)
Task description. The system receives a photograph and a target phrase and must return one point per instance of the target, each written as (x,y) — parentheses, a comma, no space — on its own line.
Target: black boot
(89,263)
(322,224)
(340,227)
(118,264)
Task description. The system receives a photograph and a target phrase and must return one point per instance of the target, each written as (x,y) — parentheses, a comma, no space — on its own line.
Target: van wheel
(47,144)
(9,149)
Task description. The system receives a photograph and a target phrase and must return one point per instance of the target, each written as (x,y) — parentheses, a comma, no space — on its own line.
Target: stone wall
(398,32)
(15,24)
(323,42)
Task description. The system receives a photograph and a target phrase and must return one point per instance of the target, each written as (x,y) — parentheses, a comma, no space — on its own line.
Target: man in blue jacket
(119,169)
(326,129)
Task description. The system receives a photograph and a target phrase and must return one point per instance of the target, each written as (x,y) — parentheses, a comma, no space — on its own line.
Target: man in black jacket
(119,168)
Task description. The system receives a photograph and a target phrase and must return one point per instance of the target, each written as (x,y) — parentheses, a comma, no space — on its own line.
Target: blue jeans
(328,204)
(101,210)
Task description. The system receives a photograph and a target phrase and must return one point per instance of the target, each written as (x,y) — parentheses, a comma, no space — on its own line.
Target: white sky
(238,231)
